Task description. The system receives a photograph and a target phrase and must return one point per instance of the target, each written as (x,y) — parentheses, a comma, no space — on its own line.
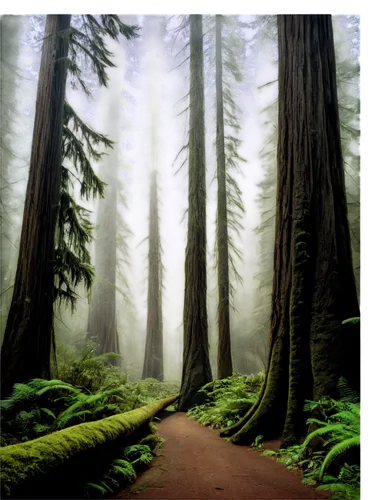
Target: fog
(132,76)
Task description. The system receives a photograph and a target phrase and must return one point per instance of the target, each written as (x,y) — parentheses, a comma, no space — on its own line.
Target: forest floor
(195,463)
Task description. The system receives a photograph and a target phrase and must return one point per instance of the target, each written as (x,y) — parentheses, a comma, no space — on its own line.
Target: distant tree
(196,370)
(153,365)
(10,34)
(313,288)
(229,203)
(102,324)
(29,339)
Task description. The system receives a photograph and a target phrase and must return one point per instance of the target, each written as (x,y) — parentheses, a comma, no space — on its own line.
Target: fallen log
(27,463)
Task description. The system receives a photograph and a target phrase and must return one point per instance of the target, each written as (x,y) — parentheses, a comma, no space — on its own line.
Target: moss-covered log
(25,465)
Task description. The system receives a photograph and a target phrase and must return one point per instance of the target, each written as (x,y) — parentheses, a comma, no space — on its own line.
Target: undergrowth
(88,370)
(333,463)
(123,469)
(89,389)
(227,400)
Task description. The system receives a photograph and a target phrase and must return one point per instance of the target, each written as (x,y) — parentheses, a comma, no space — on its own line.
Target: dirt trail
(195,463)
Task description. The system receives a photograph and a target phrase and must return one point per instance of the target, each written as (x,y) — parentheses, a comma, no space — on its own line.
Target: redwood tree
(313,285)
(27,340)
(153,362)
(29,335)
(225,47)
(196,370)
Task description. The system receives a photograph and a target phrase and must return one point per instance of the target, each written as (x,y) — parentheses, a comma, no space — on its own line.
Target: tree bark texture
(196,370)
(313,286)
(224,356)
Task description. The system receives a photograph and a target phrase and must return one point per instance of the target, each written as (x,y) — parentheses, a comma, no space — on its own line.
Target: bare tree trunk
(196,370)
(153,362)
(102,325)
(29,336)
(224,357)
(313,287)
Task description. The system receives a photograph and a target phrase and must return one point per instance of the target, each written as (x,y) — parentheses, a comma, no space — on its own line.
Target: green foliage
(152,441)
(121,471)
(89,390)
(351,320)
(258,441)
(337,423)
(88,370)
(227,400)
(138,454)
(342,430)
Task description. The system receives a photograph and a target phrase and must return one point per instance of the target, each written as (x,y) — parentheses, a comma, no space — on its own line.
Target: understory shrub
(334,465)
(44,406)
(227,400)
(123,469)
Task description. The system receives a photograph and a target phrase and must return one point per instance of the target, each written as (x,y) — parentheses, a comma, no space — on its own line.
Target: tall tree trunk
(102,325)
(224,357)
(10,27)
(196,370)
(29,333)
(313,287)
(153,362)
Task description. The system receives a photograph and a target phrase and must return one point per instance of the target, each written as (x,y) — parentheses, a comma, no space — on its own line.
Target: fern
(138,454)
(227,400)
(339,449)
(85,405)
(341,491)
(120,471)
(351,320)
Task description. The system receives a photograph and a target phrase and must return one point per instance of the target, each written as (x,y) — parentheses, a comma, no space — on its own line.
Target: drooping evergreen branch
(80,145)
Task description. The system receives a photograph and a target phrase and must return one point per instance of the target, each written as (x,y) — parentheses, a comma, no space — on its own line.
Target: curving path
(195,463)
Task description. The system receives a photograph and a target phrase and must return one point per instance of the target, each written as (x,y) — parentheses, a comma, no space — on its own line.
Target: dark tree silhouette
(27,340)
(196,370)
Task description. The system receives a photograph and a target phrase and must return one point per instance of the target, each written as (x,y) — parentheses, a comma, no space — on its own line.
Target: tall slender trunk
(29,336)
(224,357)
(10,27)
(196,370)
(153,362)
(102,325)
(313,287)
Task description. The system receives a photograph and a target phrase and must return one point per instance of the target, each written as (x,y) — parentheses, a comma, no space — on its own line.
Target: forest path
(195,463)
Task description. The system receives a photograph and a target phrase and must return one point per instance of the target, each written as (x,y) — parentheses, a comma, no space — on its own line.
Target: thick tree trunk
(10,27)
(224,357)
(153,362)
(102,325)
(29,333)
(196,370)
(314,287)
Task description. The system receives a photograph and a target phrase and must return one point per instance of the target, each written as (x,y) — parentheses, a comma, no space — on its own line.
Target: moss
(22,462)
